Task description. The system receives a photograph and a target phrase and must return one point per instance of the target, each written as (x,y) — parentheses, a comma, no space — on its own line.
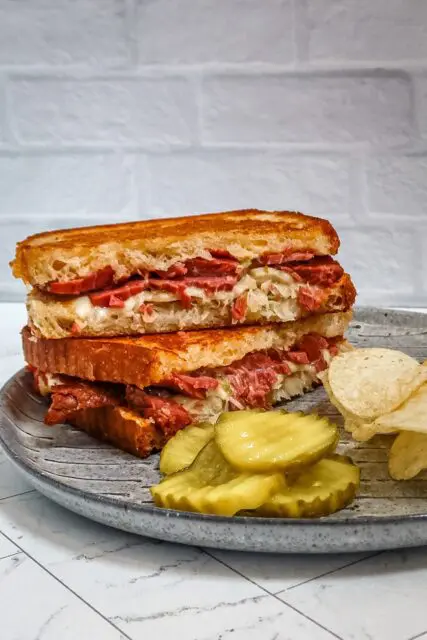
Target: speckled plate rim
(303,536)
(401,530)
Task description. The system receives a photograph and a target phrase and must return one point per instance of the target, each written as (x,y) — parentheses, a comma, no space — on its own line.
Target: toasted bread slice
(121,427)
(50,317)
(128,429)
(158,244)
(152,358)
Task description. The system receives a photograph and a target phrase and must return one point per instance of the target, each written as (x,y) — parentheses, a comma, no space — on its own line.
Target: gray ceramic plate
(111,487)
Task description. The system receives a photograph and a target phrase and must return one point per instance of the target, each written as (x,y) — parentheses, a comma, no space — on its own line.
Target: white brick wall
(308,109)
(123,109)
(64,32)
(220,180)
(71,184)
(212,31)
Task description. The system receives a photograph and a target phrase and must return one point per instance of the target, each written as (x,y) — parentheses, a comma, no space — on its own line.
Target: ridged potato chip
(360,429)
(324,488)
(185,445)
(364,431)
(410,416)
(211,485)
(408,455)
(350,420)
(368,383)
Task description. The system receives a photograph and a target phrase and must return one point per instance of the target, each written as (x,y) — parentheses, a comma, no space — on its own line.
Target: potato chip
(370,382)
(352,423)
(360,431)
(410,416)
(345,414)
(365,431)
(408,455)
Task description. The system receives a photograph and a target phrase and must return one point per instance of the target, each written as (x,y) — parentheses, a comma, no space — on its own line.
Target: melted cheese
(46,382)
(270,292)
(303,377)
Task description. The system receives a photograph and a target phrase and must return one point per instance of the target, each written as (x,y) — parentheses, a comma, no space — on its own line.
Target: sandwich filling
(258,380)
(274,287)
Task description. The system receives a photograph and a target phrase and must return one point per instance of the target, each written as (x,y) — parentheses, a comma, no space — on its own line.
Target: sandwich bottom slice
(136,393)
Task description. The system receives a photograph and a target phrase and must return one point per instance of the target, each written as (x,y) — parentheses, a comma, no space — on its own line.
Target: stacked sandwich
(137,330)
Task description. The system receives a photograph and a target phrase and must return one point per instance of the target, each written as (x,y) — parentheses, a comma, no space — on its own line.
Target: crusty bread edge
(121,427)
(73,253)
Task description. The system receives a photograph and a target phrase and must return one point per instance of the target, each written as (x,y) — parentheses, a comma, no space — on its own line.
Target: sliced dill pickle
(328,486)
(182,449)
(211,485)
(273,440)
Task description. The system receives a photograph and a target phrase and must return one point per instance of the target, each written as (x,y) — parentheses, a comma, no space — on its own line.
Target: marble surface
(66,578)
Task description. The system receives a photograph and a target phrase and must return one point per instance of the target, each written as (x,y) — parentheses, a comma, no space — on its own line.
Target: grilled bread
(150,359)
(158,244)
(214,270)
(136,393)
(121,427)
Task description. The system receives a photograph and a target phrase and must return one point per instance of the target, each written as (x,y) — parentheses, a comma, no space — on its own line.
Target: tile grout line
(120,631)
(327,573)
(419,635)
(15,495)
(10,555)
(273,595)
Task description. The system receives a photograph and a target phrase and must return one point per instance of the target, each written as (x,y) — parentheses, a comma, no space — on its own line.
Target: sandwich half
(213,270)
(136,393)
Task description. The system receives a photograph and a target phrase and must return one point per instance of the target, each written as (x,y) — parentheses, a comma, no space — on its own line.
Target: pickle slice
(274,440)
(182,449)
(211,485)
(328,486)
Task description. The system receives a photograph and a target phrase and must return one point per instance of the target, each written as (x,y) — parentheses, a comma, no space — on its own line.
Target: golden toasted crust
(51,317)
(152,358)
(122,428)
(157,244)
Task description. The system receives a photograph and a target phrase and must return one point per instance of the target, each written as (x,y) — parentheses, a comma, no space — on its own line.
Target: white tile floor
(35,605)
(66,578)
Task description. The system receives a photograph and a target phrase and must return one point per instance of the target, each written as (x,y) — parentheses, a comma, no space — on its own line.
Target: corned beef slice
(175,271)
(116,297)
(323,271)
(193,386)
(218,266)
(310,299)
(219,273)
(98,280)
(174,286)
(298,357)
(222,253)
(167,415)
(274,259)
(68,398)
(313,345)
(253,377)
(240,307)
(215,267)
